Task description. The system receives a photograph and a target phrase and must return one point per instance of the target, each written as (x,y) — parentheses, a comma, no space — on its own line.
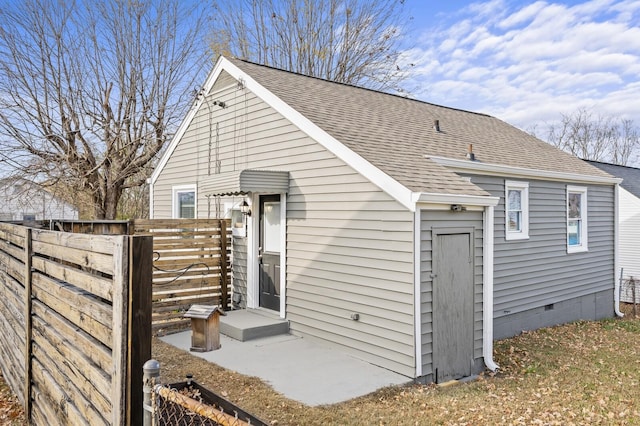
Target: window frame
(523,187)
(175,206)
(584,229)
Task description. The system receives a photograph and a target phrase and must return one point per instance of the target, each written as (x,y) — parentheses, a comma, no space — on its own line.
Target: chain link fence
(188,403)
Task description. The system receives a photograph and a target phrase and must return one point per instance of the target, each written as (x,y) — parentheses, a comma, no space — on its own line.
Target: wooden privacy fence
(192,263)
(75,314)
(191,266)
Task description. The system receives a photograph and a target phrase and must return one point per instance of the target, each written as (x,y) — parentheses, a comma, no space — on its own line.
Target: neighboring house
(379,224)
(629,222)
(23,200)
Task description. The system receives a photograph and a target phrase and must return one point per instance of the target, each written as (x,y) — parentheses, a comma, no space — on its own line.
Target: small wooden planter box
(205,327)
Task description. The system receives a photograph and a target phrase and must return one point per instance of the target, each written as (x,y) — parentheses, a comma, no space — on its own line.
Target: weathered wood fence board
(12,308)
(191,262)
(67,307)
(191,266)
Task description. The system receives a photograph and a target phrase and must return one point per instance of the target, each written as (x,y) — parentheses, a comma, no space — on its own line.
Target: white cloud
(529,63)
(523,15)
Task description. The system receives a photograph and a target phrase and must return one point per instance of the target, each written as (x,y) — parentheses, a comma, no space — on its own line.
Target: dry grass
(582,373)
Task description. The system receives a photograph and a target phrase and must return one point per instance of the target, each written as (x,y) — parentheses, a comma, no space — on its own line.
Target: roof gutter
(468,200)
(477,167)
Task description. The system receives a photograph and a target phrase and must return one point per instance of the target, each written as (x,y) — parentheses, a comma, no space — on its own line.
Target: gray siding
(538,272)
(349,244)
(442,219)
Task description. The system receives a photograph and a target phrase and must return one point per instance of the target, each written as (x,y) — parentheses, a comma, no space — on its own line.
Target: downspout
(617,281)
(487,293)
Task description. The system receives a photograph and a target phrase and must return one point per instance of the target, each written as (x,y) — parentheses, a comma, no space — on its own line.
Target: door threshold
(266,312)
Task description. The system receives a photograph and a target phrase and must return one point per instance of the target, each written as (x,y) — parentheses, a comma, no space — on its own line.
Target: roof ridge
(361,87)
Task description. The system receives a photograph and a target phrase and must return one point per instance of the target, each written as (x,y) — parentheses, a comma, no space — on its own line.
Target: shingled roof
(396,134)
(630,175)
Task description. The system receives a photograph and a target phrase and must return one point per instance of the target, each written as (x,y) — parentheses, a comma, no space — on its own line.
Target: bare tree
(91,91)
(348,41)
(595,137)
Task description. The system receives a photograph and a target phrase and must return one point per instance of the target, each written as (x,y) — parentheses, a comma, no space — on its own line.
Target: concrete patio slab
(301,369)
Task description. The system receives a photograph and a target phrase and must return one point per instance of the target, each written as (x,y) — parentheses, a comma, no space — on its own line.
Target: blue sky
(528,62)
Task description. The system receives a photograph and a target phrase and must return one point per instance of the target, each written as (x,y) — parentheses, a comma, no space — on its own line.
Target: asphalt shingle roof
(630,175)
(396,134)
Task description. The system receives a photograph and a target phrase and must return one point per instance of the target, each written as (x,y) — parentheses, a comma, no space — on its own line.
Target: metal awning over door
(239,182)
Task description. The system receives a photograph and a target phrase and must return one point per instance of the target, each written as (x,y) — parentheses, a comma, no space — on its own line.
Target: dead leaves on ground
(576,374)
(11,412)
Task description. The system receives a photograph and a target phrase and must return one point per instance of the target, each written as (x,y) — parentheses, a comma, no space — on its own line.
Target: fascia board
(213,76)
(520,172)
(385,182)
(469,200)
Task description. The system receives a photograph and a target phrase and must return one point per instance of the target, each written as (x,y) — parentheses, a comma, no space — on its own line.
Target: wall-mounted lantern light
(244,208)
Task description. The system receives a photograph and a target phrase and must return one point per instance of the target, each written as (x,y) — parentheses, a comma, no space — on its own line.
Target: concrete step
(249,324)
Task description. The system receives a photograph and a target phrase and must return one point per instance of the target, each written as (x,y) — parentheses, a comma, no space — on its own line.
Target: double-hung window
(577,230)
(184,202)
(516,210)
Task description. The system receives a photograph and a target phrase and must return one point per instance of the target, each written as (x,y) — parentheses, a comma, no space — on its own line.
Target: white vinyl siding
(517,210)
(349,245)
(23,200)
(629,239)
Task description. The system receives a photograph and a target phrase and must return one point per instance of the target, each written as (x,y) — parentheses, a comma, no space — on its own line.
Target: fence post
(151,372)
(28,326)
(139,319)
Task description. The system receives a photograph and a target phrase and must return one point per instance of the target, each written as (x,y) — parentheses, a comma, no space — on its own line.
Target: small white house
(21,199)
(629,223)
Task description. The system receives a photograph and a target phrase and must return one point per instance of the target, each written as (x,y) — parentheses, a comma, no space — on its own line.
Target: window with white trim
(516,210)
(577,230)
(184,202)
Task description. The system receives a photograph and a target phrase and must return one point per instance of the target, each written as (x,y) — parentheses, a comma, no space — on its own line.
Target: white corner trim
(518,172)
(151,209)
(487,290)
(253,298)
(417,307)
(616,253)
(283,254)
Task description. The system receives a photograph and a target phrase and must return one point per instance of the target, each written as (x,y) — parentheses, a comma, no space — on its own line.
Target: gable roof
(630,175)
(392,140)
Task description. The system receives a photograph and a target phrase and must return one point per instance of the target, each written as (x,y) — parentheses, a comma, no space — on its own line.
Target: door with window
(269,252)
